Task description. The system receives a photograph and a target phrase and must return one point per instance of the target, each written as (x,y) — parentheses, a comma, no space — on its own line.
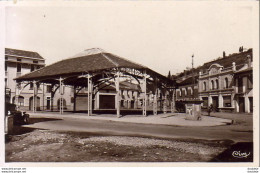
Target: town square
(148,82)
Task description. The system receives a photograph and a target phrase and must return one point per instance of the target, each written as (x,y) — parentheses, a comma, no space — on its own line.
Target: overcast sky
(160,35)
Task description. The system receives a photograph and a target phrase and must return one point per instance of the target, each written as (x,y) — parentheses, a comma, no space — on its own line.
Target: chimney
(224,54)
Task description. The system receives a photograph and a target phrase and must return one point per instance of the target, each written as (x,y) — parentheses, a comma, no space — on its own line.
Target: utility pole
(193,81)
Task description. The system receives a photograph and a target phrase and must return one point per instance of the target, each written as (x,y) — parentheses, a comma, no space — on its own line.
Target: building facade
(20,62)
(226,83)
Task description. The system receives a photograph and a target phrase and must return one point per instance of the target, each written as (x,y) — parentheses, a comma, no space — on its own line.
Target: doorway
(241,104)
(215,103)
(37,102)
(107,102)
(251,104)
(48,106)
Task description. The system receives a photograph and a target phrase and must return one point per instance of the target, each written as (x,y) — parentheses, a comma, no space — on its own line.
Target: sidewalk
(173,119)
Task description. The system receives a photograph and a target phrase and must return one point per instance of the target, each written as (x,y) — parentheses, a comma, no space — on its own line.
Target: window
(204,86)
(180,93)
(217,84)
(205,101)
(212,85)
(48,90)
(19,68)
(19,59)
(226,83)
(240,84)
(21,101)
(32,68)
(6,57)
(227,101)
(31,86)
(250,82)
(5,66)
(191,91)
(36,62)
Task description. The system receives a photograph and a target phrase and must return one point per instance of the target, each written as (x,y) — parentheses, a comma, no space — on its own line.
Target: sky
(160,35)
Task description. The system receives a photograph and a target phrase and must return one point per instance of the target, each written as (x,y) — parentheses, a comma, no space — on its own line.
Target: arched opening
(212,85)
(19,102)
(217,84)
(37,103)
(204,86)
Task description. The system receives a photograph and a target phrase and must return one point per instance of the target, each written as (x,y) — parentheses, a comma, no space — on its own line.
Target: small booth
(193,109)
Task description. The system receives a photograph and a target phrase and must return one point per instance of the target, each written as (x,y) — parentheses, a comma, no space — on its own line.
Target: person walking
(210,109)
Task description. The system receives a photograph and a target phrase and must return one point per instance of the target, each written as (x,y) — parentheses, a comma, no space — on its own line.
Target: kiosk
(193,109)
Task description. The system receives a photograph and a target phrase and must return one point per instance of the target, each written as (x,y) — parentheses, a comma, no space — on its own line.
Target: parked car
(19,117)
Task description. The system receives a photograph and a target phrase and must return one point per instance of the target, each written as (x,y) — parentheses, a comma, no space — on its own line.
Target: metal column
(89,95)
(144,99)
(117,94)
(61,96)
(34,94)
(155,103)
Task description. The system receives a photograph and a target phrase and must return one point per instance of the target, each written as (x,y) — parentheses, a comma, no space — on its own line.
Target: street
(73,139)
(241,131)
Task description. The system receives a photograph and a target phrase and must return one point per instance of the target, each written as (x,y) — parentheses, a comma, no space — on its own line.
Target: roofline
(26,57)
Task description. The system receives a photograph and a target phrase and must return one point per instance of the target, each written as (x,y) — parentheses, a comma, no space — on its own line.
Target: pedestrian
(210,109)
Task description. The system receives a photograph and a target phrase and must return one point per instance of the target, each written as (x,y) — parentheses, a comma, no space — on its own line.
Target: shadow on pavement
(37,120)
(239,152)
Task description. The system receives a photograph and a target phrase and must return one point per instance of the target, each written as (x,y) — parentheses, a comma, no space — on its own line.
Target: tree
(169,75)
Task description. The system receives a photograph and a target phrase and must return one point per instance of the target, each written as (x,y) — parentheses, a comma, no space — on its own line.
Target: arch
(20,101)
(37,103)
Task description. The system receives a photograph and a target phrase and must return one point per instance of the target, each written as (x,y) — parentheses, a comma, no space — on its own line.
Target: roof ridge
(127,60)
(110,60)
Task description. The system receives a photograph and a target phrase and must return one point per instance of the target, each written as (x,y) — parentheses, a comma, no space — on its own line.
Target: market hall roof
(88,61)
(22,53)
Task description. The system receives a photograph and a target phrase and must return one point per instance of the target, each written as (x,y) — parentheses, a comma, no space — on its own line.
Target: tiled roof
(189,81)
(88,61)
(238,58)
(22,53)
